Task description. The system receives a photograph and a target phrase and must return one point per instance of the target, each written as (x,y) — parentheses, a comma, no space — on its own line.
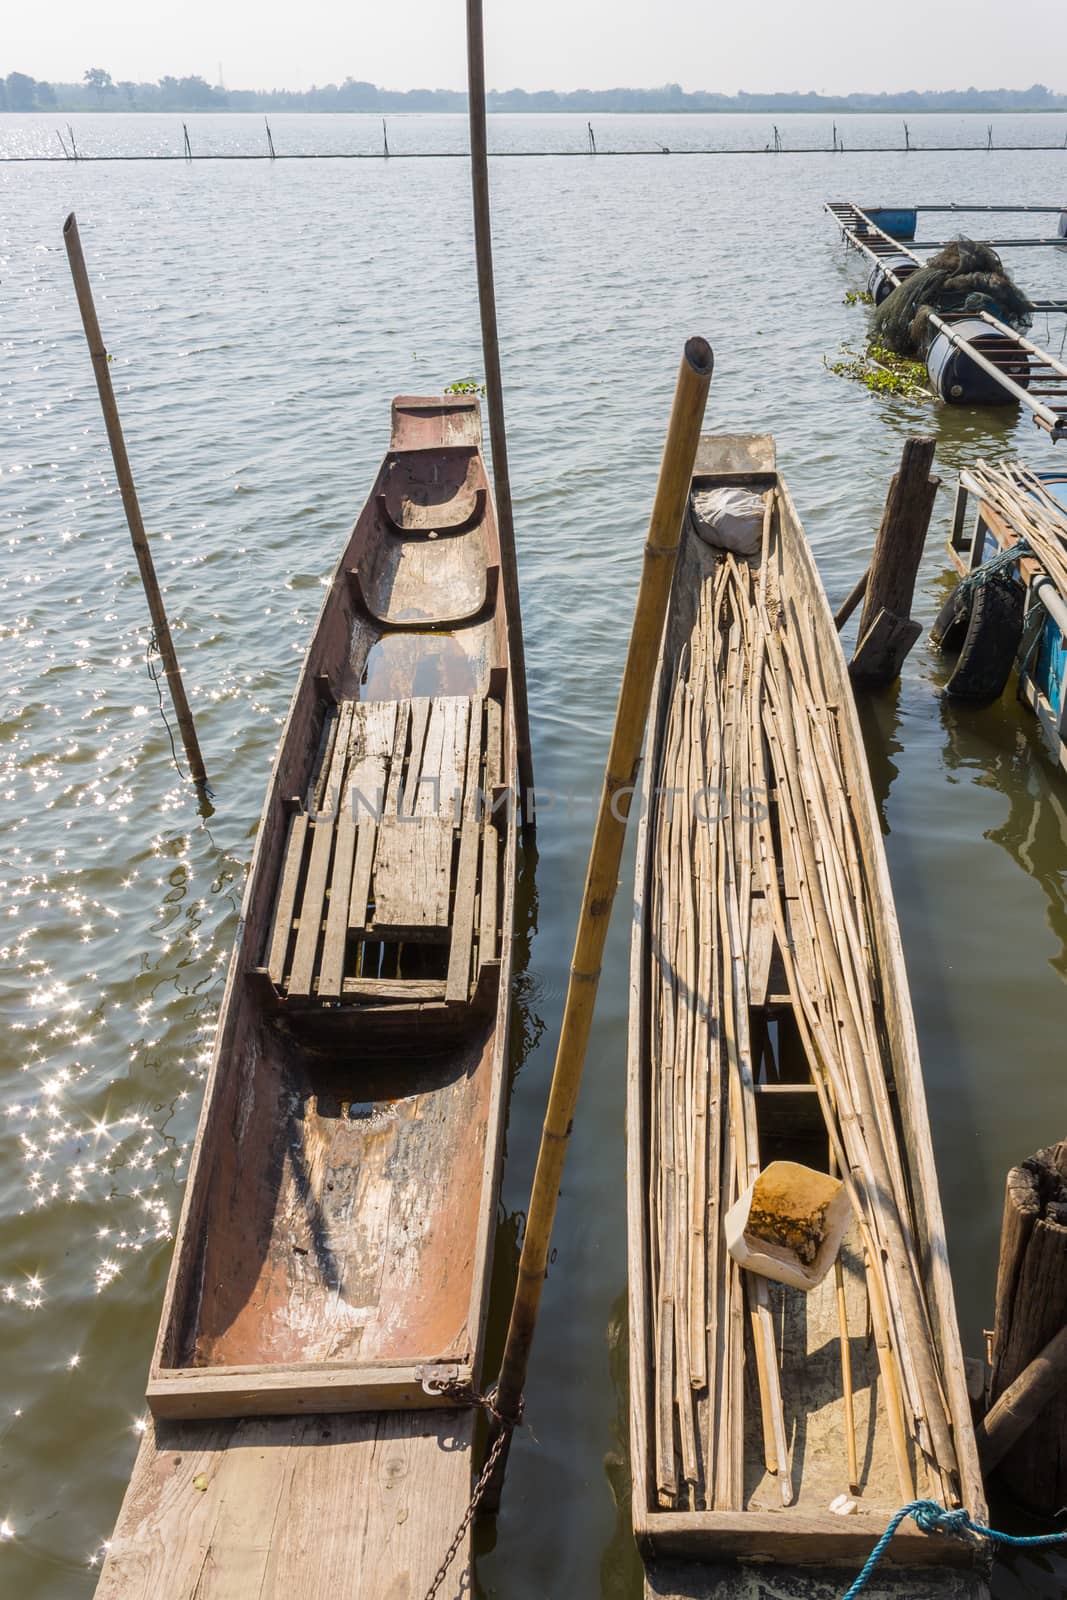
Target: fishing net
(964,276)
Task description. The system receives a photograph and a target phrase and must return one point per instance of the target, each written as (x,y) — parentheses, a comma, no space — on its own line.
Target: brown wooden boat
(334,1248)
(771,1022)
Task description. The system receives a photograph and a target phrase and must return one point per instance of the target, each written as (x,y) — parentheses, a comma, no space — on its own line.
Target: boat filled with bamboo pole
(796,1372)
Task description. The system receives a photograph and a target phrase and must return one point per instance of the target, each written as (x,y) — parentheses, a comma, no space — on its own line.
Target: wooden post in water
(886,631)
(661,549)
(483,249)
(1025,1433)
(130,502)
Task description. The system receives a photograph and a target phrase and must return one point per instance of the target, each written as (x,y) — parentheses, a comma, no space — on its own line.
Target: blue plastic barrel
(899,223)
(960,381)
(879,286)
(1062,229)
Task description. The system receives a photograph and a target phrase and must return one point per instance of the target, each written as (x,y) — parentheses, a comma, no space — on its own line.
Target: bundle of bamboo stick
(753,836)
(1027,505)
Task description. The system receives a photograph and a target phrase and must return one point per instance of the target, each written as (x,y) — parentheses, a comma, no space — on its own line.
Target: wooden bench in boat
(389,890)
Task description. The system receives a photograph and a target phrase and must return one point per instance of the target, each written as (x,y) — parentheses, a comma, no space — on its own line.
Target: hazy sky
(545,44)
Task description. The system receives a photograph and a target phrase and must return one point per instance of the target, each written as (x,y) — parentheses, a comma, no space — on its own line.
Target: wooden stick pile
(1026,504)
(753,840)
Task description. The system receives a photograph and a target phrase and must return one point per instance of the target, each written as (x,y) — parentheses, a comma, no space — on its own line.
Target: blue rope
(932,1518)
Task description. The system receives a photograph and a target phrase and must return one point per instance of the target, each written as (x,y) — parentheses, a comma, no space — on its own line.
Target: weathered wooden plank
(320,766)
(332,962)
(396,764)
(311,906)
(307,938)
(427,796)
(489,894)
(395,988)
(366,786)
(202,1393)
(459,958)
(799,1536)
(285,904)
(723,1580)
(443,757)
(412,876)
(291,1508)
(488,918)
(420,716)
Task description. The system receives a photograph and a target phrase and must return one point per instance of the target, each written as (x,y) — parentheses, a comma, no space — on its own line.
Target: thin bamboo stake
(846,1363)
(131,506)
(483,248)
(661,549)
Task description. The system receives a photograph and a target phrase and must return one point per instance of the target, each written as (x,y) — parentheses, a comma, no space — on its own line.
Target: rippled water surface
(260,319)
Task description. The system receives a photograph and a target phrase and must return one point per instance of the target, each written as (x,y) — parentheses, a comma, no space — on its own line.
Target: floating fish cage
(978,534)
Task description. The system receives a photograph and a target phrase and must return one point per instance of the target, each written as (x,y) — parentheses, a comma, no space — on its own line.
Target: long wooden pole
(661,549)
(130,502)
(483,250)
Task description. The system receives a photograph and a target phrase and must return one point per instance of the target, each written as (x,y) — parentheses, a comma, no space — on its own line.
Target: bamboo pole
(661,549)
(483,249)
(130,503)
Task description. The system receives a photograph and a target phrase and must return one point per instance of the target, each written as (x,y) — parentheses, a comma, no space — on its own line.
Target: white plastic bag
(730,519)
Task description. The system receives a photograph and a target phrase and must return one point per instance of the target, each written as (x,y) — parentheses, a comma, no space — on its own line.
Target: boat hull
(756,1525)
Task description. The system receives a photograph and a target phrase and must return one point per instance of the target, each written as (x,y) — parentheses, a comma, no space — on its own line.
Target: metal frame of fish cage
(1013,356)
(977,533)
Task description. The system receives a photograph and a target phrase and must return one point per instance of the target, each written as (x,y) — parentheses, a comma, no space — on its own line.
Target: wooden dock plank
(459,959)
(294,1508)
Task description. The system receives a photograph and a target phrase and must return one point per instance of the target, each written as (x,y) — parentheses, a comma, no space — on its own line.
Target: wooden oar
(661,549)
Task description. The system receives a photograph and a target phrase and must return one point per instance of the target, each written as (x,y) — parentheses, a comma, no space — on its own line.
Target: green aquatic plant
(465,386)
(882,371)
(858,297)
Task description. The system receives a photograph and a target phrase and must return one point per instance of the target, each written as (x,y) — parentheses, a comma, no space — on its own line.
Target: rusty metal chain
(506,1426)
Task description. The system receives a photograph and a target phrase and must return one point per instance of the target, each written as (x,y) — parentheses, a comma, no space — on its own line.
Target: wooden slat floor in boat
(394,853)
(294,1508)
(809,1350)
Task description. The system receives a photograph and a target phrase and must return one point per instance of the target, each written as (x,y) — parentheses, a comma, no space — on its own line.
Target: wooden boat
(333,1254)
(995,508)
(770,1021)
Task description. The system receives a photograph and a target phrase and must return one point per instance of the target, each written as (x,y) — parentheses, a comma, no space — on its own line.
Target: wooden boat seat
(389,887)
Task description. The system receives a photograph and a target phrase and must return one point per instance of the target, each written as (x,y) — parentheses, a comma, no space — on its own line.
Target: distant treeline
(99,92)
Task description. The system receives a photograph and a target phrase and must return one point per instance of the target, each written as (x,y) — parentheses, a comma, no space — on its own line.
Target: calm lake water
(260,318)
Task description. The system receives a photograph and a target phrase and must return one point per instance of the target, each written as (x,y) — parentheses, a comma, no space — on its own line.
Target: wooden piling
(483,247)
(130,503)
(1025,1433)
(886,631)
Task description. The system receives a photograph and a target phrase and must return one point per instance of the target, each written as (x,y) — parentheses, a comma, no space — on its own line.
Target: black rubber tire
(950,629)
(994,630)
